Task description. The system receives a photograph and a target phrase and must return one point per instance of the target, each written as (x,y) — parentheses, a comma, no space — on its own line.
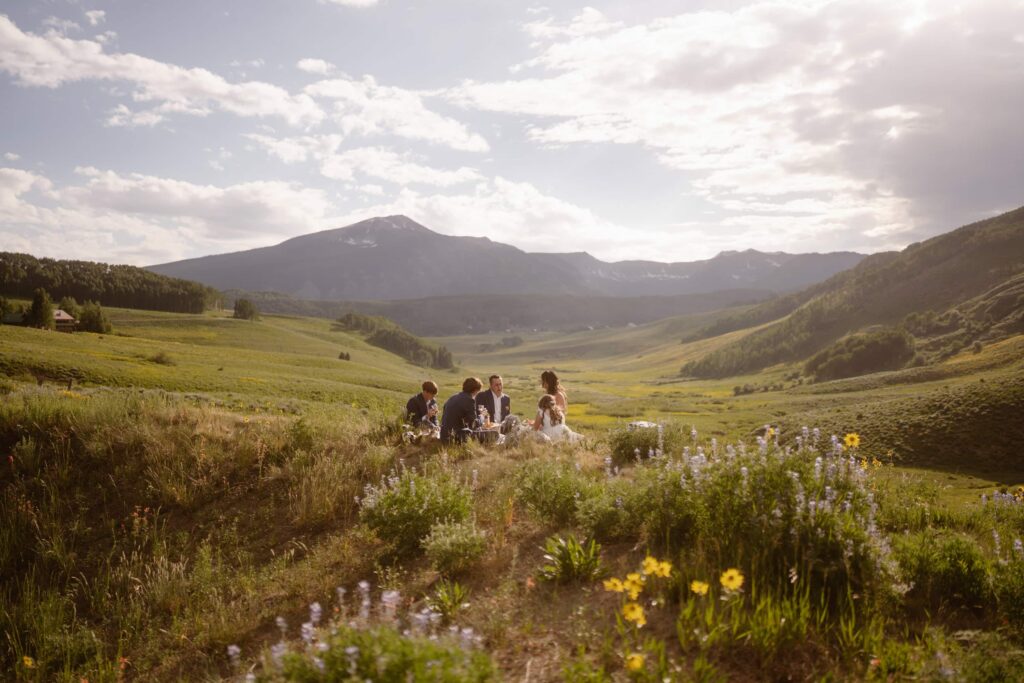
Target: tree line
(385,334)
(39,313)
(125,286)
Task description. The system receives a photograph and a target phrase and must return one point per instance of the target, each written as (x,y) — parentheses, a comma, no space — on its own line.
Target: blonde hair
(547,404)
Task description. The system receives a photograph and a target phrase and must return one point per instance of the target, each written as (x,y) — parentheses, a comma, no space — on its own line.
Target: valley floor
(169,490)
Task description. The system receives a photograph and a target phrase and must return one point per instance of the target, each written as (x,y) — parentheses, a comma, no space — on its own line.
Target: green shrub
(551,489)
(162,358)
(402,509)
(449,598)
(567,560)
(770,512)
(454,547)
(1009,590)
(383,654)
(612,512)
(630,446)
(944,569)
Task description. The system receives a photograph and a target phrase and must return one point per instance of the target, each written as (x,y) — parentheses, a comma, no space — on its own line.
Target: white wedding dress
(556,432)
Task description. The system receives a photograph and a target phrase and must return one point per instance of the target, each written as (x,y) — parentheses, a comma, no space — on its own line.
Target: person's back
(460,412)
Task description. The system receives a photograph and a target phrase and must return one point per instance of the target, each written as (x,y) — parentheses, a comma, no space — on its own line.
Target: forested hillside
(969,278)
(385,334)
(124,286)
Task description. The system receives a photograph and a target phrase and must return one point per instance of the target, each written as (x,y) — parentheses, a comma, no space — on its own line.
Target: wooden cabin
(63,321)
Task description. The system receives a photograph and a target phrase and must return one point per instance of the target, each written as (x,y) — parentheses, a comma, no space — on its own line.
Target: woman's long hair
(548,405)
(549,380)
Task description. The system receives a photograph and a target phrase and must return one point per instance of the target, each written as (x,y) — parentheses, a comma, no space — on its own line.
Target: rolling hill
(396,258)
(956,288)
(478,314)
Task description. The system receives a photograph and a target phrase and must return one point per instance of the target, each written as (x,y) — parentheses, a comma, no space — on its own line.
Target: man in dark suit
(497,403)
(460,412)
(423,406)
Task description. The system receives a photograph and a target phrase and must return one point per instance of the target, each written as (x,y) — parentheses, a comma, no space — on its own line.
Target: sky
(146,131)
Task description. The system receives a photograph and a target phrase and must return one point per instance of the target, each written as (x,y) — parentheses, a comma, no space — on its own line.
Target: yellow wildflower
(664,569)
(650,565)
(614,585)
(28,662)
(769,433)
(634,662)
(699,587)
(634,585)
(732,579)
(632,611)
(852,440)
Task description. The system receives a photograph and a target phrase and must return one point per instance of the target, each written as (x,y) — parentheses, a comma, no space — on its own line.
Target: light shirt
(497,407)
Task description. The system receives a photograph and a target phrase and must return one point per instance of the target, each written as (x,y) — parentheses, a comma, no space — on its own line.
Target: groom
(496,402)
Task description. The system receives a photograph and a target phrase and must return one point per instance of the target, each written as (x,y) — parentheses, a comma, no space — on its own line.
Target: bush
(612,512)
(568,560)
(93,319)
(246,310)
(766,510)
(944,569)
(1009,590)
(626,444)
(383,654)
(162,358)
(551,489)
(454,547)
(402,509)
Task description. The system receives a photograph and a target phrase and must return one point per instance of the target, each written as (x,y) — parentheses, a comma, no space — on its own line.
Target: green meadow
(194,497)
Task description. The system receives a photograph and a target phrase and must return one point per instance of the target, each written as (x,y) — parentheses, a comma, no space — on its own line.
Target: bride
(551,421)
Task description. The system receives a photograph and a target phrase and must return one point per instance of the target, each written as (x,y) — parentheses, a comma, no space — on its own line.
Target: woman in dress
(551,421)
(551,385)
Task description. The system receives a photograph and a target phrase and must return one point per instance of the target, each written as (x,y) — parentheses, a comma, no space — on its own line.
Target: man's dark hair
(491,379)
(429,387)
(471,384)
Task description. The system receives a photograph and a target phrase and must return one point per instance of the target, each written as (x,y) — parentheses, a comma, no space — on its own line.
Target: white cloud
(62,26)
(776,109)
(11,156)
(96,17)
(386,164)
(253,63)
(514,213)
(368,108)
(375,162)
(52,60)
(351,3)
(588,21)
(315,66)
(296,149)
(121,116)
(141,219)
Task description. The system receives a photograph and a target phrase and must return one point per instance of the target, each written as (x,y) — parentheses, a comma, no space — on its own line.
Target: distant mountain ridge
(395,257)
(954,289)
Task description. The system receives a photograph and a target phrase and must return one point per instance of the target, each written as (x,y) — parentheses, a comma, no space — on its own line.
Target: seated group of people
(487,415)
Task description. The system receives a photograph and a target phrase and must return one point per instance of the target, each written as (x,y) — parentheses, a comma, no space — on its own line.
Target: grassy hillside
(270,362)
(161,511)
(978,260)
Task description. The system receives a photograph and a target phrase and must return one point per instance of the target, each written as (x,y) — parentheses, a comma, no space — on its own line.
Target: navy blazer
(486,399)
(459,413)
(417,407)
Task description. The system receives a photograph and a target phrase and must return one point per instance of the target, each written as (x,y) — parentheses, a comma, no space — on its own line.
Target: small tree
(93,319)
(40,313)
(5,308)
(246,310)
(70,306)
